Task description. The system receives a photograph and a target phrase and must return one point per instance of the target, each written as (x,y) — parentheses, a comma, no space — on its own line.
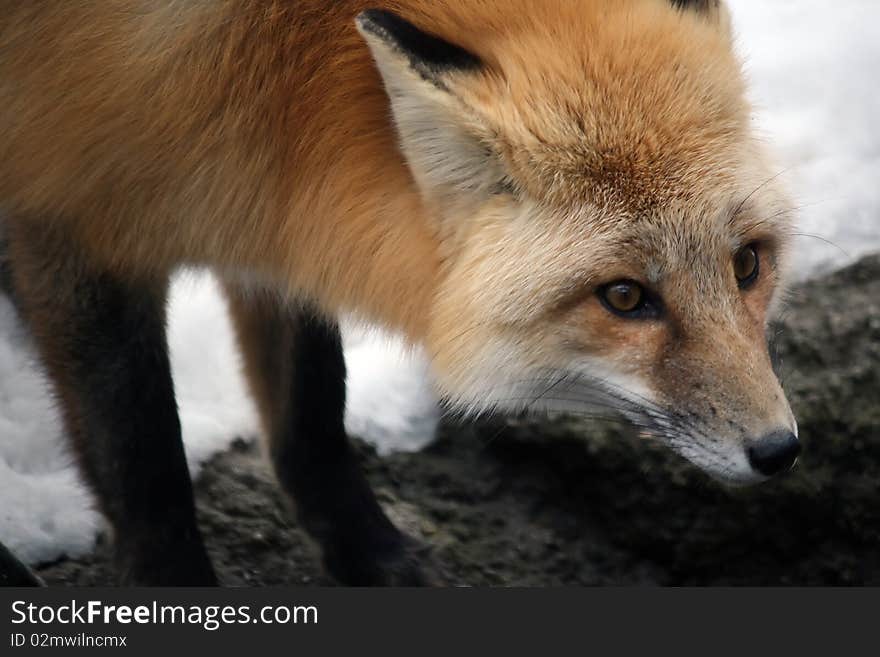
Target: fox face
(613,237)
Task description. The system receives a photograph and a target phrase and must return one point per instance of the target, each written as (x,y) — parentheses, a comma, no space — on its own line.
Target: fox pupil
(745,265)
(624,297)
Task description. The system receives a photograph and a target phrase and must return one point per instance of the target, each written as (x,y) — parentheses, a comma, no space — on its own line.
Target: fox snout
(774,453)
(737,423)
(724,446)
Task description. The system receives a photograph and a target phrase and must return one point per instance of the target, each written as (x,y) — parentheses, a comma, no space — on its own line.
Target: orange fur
(243,135)
(255,134)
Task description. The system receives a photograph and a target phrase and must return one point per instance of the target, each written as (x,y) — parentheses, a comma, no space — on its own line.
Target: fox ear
(439,135)
(714,10)
(698,5)
(428,55)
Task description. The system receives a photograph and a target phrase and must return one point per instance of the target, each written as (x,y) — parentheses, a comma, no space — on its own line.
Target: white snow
(214,406)
(813,67)
(44,510)
(390,399)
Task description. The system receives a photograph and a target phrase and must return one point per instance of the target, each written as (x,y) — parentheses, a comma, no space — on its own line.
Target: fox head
(613,236)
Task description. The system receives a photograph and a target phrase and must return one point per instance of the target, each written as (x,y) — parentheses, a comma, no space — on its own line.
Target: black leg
(13,572)
(102,340)
(296,368)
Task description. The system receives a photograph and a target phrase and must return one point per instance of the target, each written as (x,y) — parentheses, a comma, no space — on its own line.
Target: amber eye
(746,265)
(623,297)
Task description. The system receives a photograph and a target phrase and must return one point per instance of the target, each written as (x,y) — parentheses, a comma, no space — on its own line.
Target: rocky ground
(567,502)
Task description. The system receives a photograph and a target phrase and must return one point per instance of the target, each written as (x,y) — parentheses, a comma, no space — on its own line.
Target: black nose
(774,453)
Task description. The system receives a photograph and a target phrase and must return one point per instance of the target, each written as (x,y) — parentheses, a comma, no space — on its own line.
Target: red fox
(563,201)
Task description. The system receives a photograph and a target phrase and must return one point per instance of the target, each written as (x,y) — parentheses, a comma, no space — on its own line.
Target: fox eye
(624,298)
(746,265)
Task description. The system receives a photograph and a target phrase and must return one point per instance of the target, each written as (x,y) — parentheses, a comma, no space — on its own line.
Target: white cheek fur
(586,387)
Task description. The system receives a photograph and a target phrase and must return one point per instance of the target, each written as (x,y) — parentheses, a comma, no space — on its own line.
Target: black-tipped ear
(442,139)
(429,55)
(714,11)
(698,5)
